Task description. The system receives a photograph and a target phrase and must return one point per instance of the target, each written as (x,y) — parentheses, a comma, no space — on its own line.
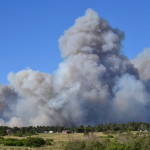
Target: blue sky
(29,29)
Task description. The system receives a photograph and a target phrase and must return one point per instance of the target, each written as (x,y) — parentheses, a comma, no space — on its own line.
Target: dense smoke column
(94,84)
(91,48)
(8,100)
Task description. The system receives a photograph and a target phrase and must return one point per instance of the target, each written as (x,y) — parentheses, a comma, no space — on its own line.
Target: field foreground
(116,140)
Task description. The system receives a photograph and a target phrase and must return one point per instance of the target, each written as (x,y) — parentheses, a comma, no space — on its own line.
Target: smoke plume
(94,84)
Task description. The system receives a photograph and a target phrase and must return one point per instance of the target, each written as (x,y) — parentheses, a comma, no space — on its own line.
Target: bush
(94,145)
(18,134)
(118,146)
(10,142)
(20,143)
(86,132)
(34,142)
(48,142)
(1,139)
(108,136)
(75,145)
(84,145)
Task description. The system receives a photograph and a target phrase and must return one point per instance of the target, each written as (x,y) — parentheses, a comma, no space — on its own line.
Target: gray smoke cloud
(142,63)
(94,84)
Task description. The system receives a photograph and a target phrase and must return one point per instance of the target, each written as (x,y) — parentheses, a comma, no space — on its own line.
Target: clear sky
(29,29)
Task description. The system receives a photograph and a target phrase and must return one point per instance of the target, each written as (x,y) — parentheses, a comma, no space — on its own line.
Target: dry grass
(59,141)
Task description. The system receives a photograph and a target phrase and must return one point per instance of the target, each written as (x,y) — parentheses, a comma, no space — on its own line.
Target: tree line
(31,130)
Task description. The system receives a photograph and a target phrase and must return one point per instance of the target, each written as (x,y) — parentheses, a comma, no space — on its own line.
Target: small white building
(51,131)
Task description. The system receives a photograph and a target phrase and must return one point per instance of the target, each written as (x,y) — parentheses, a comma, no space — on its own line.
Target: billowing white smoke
(142,63)
(94,84)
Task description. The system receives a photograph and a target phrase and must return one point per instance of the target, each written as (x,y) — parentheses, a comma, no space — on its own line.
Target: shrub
(108,136)
(48,142)
(94,145)
(84,145)
(75,145)
(1,139)
(35,142)
(118,146)
(10,142)
(32,142)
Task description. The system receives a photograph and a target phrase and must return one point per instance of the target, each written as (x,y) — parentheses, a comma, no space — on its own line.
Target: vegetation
(28,142)
(126,141)
(129,140)
(129,136)
(28,131)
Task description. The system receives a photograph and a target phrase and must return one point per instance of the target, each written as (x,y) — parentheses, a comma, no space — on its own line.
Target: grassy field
(59,141)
